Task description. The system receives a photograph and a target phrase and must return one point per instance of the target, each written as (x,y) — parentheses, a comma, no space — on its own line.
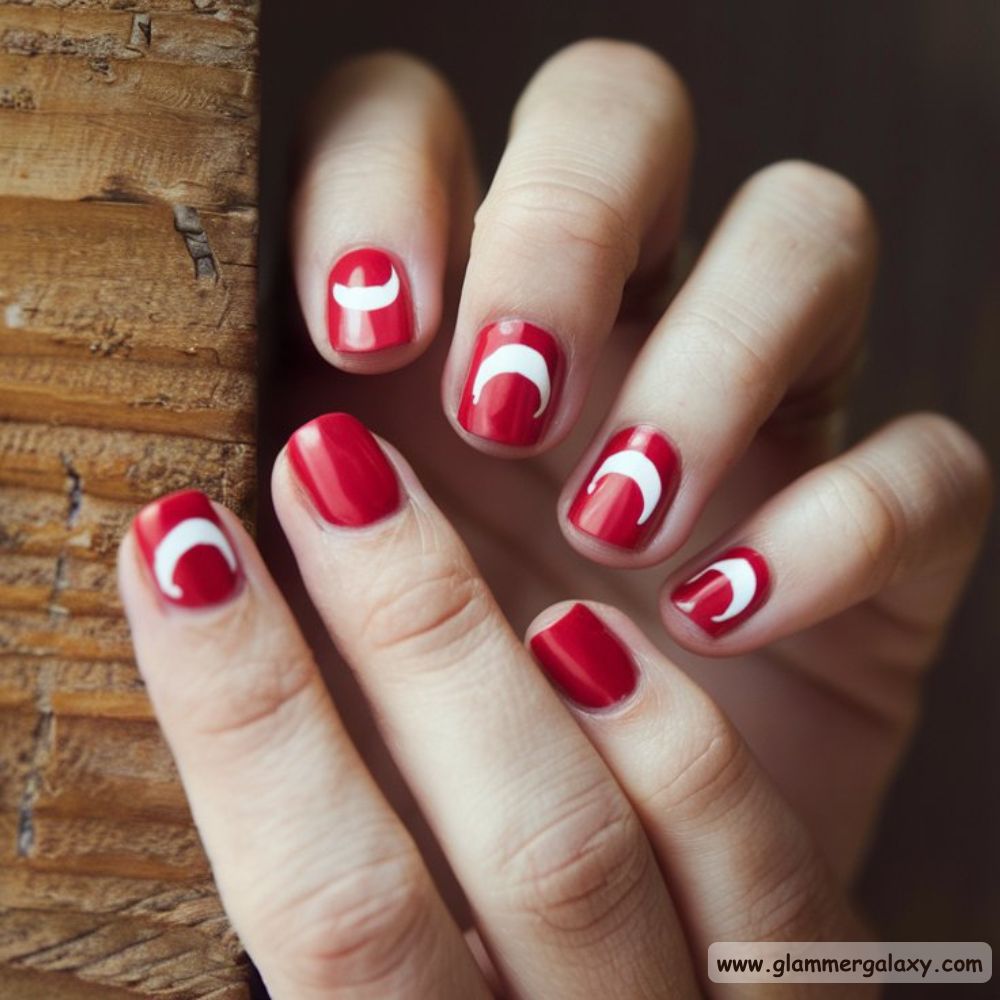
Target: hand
(607,816)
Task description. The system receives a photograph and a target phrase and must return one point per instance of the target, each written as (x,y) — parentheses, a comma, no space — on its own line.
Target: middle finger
(775,305)
(589,191)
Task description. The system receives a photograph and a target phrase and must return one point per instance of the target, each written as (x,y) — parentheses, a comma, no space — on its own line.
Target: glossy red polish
(513,386)
(189,554)
(368,306)
(344,471)
(726,592)
(585,660)
(629,488)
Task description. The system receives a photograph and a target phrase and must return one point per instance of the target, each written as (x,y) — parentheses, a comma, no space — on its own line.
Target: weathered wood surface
(128,143)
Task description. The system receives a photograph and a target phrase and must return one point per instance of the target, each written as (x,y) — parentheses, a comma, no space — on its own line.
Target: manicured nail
(344,471)
(513,384)
(585,660)
(629,488)
(726,592)
(185,545)
(368,304)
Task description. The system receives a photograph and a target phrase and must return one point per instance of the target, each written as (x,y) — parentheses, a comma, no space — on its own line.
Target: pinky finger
(899,517)
(740,865)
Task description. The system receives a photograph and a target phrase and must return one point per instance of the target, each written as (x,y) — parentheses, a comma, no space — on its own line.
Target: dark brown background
(902,97)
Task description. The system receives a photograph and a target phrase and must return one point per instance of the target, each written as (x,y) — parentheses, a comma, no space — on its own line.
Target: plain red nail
(368,304)
(726,592)
(513,385)
(585,660)
(344,471)
(629,488)
(187,550)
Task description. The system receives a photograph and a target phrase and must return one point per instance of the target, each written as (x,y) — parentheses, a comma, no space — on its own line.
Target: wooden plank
(86,90)
(128,140)
(113,282)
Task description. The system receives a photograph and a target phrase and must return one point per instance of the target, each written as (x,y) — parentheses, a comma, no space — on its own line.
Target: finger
(773,310)
(899,516)
(739,864)
(590,188)
(387,183)
(322,883)
(566,895)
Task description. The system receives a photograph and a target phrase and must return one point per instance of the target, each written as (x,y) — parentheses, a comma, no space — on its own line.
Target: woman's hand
(609,825)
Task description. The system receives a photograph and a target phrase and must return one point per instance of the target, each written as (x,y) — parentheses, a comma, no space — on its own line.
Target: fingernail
(513,385)
(628,489)
(187,550)
(344,471)
(585,660)
(368,304)
(726,592)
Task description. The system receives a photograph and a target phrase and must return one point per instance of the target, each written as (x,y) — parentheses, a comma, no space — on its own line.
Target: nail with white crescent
(742,579)
(515,359)
(637,467)
(367,298)
(178,542)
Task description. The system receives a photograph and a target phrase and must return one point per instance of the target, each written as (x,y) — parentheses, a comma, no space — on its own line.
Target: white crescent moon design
(742,579)
(637,467)
(179,540)
(518,359)
(367,298)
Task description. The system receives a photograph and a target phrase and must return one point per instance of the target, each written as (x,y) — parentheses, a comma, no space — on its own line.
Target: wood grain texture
(128,226)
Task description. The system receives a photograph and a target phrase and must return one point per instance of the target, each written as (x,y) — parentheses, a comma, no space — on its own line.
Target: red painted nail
(629,488)
(185,545)
(513,384)
(585,659)
(726,592)
(367,303)
(344,471)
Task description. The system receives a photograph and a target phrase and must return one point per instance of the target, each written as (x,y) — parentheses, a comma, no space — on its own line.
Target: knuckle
(725,345)
(962,468)
(582,872)
(859,495)
(792,893)
(395,120)
(360,929)
(712,774)
(431,603)
(821,197)
(572,209)
(388,160)
(257,689)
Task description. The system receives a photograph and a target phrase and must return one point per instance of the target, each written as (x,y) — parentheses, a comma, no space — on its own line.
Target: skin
(731,797)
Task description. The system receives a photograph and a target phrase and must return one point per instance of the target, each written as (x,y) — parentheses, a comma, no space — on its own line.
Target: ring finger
(773,310)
